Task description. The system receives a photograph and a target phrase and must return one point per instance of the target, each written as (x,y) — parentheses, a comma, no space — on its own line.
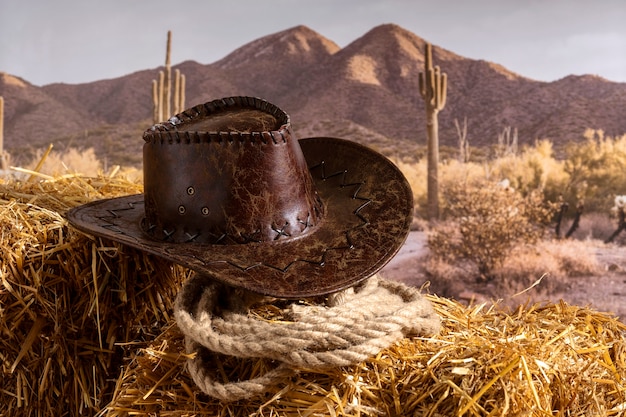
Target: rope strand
(349,328)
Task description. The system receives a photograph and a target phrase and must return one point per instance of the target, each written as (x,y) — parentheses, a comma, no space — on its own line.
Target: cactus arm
(181,96)
(442,87)
(161,96)
(155,102)
(177,109)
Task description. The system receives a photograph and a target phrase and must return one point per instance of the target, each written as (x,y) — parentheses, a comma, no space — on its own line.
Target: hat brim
(368,211)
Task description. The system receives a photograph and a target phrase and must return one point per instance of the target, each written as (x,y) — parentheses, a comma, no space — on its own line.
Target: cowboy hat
(229,192)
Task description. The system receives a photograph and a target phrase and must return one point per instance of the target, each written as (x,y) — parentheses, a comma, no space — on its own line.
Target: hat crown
(228,171)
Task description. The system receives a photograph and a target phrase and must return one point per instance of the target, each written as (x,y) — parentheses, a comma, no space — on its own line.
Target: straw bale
(71,306)
(555,359)
(87,329)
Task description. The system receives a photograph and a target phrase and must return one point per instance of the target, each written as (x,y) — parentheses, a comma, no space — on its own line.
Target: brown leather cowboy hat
(230,192)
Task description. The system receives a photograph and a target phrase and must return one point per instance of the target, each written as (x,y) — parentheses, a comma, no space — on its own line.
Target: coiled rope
(346,329)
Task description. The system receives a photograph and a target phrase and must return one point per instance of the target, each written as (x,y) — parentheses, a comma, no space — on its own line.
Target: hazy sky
(75,41)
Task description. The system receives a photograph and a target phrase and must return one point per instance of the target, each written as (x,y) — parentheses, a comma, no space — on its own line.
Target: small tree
(433,86)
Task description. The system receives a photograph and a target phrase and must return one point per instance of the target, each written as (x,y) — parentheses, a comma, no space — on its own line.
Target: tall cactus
(162,89)
(433,86)
(1,125)
(3,156)
(167,96)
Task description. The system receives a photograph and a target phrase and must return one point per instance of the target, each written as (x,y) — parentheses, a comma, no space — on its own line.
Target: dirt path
(604,292)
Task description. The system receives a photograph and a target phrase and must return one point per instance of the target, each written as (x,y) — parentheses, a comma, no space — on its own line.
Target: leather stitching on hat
(324,253)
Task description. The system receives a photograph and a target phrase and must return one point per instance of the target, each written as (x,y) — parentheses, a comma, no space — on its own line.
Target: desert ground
(605,291)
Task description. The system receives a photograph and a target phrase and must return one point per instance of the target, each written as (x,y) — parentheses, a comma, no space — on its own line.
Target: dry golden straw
(86,328)
(70,304)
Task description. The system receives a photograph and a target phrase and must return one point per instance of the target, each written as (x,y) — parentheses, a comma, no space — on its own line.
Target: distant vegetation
(499,213)
(592,172)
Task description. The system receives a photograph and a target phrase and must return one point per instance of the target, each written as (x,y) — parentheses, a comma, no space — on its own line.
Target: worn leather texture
(230,192)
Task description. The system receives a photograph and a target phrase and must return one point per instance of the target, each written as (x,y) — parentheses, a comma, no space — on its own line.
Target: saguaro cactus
(432,85)
(162,89)
(1,125)
(3,156)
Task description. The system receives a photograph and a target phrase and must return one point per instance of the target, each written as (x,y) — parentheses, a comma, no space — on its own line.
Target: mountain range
(366,91)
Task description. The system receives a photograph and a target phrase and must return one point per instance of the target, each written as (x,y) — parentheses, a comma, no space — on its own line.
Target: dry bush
(546,266)
(415,173)
(552,261)
(535,168)
(487,223)
(595,170)
(592,171)
(451,173)
(455,172)
(576,258)
(70,161)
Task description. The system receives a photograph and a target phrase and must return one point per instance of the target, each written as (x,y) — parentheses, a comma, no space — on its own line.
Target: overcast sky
(76,41)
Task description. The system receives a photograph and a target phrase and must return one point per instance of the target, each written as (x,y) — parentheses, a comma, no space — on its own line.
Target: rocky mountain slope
(366,91)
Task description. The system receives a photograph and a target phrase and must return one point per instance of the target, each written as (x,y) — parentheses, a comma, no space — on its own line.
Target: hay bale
(555,359)
(86,327)
(71,306)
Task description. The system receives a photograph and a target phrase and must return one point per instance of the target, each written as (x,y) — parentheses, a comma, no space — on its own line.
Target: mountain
(366,91)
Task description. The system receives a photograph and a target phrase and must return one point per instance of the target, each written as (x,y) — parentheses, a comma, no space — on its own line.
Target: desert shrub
(535,168)
(486,223)
(455,172)
(415,173)
(450,172)
(576,258)
(527,270)
(554,261)
(73,161)
(539,269)
(70,161)
(596,170)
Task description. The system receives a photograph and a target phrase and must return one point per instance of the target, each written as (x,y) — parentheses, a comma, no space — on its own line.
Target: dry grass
(87,328)
(546,266)
(73,161)
(554,262)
